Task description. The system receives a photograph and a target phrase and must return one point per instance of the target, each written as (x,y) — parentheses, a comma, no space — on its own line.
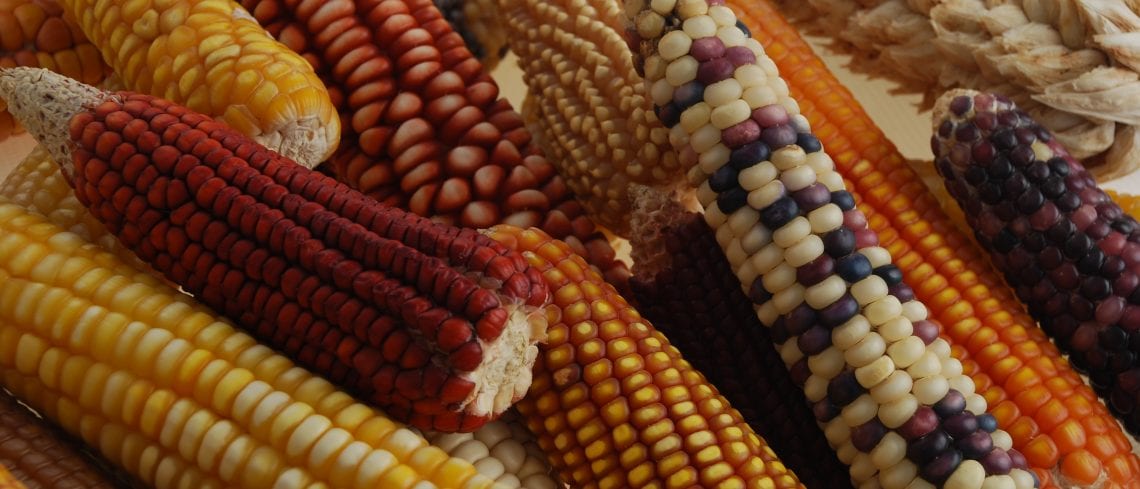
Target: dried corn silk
(1071,64)
(425,128)
(589,108)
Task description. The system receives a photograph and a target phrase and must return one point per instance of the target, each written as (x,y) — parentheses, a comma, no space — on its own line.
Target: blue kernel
(749,155)
(843,199)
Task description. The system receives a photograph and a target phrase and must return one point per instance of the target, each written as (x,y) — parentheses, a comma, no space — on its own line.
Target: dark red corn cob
(690,293)
(435,323)
(1068,250)
(424,126)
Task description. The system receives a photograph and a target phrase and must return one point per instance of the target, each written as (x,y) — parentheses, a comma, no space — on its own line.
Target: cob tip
(44,101)
(942,105)
(653,211)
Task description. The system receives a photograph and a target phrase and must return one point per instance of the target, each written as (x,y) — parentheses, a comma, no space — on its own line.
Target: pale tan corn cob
(213,57)
(1072,64)
(55,276)
(587,105)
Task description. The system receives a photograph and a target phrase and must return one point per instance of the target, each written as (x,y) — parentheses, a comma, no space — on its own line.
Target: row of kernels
(503,450)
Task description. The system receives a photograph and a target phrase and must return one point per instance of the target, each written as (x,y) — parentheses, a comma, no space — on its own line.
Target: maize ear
(1071,253)
(894,403)
(684,286)
(1013,363)
(439,332)
(211,56)
(613,404)
(425,128)
(34,33)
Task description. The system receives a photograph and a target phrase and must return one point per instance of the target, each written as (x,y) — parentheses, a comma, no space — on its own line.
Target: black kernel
(1029,201)
(853,267)
(1003,139)
(975,175)
(1095,288)
(1004,241)
(1059,166)
(1061,231)
(735,198)
(782,211)
(1067,202)
(990,193)
(808,142)
(843,199)
(1077,245)
(723,179)
(1091,262)
(840,242)
(750,154)
(890,274)
(925,448)
(844,389)
(950,404)
(1000,168)
(1037,172)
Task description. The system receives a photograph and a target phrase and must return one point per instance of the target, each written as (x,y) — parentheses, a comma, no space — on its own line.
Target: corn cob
(689,293)
(503,449)
(34,33)
(613,404)
(894,403)
(592,114)
(212,57)
(425,128)
(1071,254)
(7,481)
(225,374)
(40,456)
(1022,370)
(440,332)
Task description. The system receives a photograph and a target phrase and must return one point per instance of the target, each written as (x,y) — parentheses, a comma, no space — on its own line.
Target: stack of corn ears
(1073,64)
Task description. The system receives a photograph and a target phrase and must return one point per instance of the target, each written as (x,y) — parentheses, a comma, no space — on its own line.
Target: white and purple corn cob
(892,402)
(1071,254)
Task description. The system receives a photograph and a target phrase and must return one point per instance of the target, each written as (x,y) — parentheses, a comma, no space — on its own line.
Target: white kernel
(825,219)
(898,384)
(779,278)
(926,365)
(742,220)
(798,177)
(767,314)
(920,483)
(734,253)
(899,475)
(758,50)
(749,76)
(869,349)
(931,389)
(862,469)
(836,432)
(713,216)
(799,121)
(893,414)
(758,94)
(714,158)
(1021,478)
(757,176)
(868,290)
(723,16)
(790,353)
(767,64)
(832,180)
(655,67)
(649,24)
(962,383)
(755,239)
(877,255)
(699,27)
(788,299)
(723,92)
(951,367)
(705,138)
(940,347)
(883,310)
(706,196)
(804,252)
(861,410)
(766,195)
(663,7)
(872,483)
(731,36)
(768,258)
(724,235)
(696,117)
(731,114)
(827,364)
(691,8)
(999,482)
(906,351)
(826,292)
(788,157)
(681,70)
(976,404)
(746,273)
(968,475)
(846,452)
(661,91)
(915,311)
(1002,439)
(890,450)
(674,44)
(815,388)
(875,372)
(896,329)
(820,162)
(851,332)
(791,233)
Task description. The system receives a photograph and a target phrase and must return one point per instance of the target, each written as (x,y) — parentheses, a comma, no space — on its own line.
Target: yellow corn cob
(593,116)
(213,57)
(155,352)
(1128,203)
(34,33)
(1014,366)
(613,404)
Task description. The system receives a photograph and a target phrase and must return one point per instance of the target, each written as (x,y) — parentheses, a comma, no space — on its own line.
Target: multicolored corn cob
(211,56)
(895,405)
(424,127)
(593,115)
(39,455)
(167,391)
(613,404)
(34,33)
(439,331)
(1013,363)
(690,294)
(1071,253)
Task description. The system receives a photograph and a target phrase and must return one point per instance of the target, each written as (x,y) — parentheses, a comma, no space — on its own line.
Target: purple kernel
(939,469)
(960,425)
(748,155)
(688,95)
(997,462)
(669,114)
(1112,267)
(814,340)
(1022,156)
(967,132)
(867,435)
(740,134)
(815,271)
(976,445)
(960,155)
(812,197)
(757,294)
(839,243)
(778,331)
(1050,258)
(1008,118)
(866,238)
(839,312)
(985,120)
(1017,460)
(1015,185)
(960,105)
(927,447)
(799,372)
(779,213)
(771,115)
(715,70)
(902,292)
(824,411)
(778,136)
(1025,135)
(945,129)
(983,152)
(740,56)
(800,319)
(926,330)
(707,48)
(951,404)
(1003,139)
(1095,288)
(844,389)
(935,145)
(944,166)
(924,421)
(983,104)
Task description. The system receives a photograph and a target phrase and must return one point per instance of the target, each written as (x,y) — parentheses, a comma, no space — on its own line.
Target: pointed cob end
(44,102)
(654,211)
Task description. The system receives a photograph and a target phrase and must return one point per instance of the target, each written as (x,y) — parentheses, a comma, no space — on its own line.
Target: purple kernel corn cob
(691,295)
(1069,251)
(894,404)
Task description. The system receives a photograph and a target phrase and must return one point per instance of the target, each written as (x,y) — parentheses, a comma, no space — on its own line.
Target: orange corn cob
(424,127)
(7,481)
(1053,416)
(613,403)
(34,33)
